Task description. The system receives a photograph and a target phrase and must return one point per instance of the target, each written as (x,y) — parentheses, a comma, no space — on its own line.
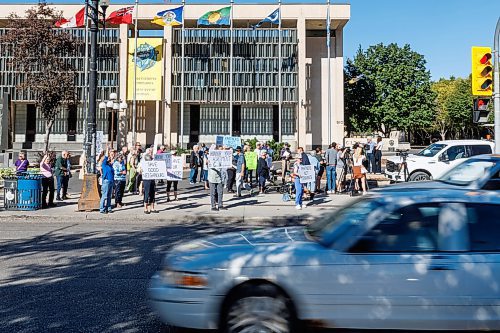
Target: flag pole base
(89,198)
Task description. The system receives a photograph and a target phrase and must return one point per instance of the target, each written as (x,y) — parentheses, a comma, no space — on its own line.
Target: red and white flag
(76,21)
(121,16)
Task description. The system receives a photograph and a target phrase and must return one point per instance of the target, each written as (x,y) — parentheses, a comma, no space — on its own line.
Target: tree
(40,53)
(394,92)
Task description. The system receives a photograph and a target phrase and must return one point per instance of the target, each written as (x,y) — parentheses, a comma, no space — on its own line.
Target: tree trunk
(48,130)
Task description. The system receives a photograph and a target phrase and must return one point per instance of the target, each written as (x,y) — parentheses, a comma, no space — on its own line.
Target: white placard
(220,159)
(166,157)
(307,174)
(156,143)
(175,171)
(153,170)
(99,139)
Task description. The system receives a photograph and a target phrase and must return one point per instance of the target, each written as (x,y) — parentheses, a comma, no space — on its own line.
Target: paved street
(67,271)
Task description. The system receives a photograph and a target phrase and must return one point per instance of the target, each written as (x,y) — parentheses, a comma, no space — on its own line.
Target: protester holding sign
(215,179)
(148,182)
(299,190)
(250,163)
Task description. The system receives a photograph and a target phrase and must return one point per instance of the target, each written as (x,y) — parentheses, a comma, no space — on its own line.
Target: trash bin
(10,193)
(29,192)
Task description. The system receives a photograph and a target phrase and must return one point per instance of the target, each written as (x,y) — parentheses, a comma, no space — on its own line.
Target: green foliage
(7,172)
(394,91)
(276,147)
(252,143)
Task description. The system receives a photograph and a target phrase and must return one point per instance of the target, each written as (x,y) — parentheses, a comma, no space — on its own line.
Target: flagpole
(86,81)
(231,74)
(328,47)
(182,78)
(134,104)
(280,96)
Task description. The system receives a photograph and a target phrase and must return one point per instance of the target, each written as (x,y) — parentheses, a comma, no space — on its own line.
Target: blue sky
(442,30)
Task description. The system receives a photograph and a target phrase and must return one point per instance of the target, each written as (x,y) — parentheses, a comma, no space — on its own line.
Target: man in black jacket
(194,164)
(262,170)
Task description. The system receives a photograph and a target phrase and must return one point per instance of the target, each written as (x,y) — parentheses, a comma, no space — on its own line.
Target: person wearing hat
(262,170)
(172,183)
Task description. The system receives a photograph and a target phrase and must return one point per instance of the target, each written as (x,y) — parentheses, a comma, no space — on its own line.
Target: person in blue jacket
(108,179)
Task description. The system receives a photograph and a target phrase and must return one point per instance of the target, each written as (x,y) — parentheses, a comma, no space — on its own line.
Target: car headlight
(183,279)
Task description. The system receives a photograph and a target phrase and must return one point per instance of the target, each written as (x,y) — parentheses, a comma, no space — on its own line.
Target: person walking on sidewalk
(194,164)
(61,171)
(120,176)
(47,181)
(108,178)
(331,165)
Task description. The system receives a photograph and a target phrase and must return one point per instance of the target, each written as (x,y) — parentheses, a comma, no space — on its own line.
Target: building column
(301,107)
(122,130)
(338,88)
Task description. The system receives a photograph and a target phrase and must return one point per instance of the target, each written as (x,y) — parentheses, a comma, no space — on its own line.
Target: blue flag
(273,18)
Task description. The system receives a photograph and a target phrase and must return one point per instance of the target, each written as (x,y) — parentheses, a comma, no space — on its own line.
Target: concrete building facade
(304,79)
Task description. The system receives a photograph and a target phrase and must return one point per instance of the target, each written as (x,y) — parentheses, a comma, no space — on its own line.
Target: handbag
(363,169)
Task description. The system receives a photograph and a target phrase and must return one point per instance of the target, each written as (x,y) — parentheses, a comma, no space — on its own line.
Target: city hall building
(255,98)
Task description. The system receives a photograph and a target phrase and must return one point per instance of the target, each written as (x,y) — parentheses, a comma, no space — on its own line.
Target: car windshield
(466,173)
(432,150)
(331,226)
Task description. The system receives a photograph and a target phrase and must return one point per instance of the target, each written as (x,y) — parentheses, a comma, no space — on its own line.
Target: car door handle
(441,268)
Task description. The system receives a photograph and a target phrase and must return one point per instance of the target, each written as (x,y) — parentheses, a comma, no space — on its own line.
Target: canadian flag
(121,16)
(76,21)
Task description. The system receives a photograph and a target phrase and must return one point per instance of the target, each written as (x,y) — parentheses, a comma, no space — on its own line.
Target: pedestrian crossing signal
(482,71)
(481,111)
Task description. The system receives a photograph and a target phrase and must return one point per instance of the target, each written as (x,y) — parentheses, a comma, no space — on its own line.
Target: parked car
(481,172)
(435,160)
(409,260)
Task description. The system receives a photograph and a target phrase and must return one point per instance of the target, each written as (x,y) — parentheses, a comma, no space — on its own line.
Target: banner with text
(175,171)
(153,170)
(251,160)
(220,159)
(228,141)
(149,64)
(307,174)
(166,157)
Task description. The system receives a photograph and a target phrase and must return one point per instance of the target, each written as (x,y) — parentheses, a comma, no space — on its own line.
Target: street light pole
(496,88)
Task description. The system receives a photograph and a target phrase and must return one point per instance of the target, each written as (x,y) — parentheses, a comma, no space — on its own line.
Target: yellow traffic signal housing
(482,71)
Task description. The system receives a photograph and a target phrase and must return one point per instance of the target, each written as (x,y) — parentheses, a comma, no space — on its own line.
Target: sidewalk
(193,205)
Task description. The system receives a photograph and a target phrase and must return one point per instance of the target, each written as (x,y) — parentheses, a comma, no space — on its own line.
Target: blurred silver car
(424,260)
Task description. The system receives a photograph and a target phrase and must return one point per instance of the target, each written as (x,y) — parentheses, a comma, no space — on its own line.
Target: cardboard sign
(251,160)
(99,139)
(153,170)
(307,174)
(166,157)
(220,159)
(228,141)
(175,171)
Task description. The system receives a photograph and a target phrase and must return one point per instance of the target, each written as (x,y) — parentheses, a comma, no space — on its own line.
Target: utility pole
(496,88)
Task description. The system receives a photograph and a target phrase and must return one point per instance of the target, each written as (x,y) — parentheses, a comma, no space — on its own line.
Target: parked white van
(433,161)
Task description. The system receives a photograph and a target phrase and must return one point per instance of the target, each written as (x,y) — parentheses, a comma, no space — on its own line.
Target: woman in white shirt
(358,170)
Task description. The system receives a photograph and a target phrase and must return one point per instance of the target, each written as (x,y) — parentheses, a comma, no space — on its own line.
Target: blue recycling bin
(29,192)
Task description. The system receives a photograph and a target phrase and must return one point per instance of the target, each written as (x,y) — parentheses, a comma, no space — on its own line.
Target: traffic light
(482,71)
(481,111)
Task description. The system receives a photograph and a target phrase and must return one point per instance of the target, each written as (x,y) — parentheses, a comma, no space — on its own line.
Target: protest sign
(220,159)
(166,157)
(99,139)
(175,171)
(251,160)
(153,170)
(228,141)
(156,143)
(307,174)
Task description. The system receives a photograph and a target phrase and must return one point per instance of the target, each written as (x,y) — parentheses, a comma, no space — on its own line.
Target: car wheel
(419,176)
(260,309)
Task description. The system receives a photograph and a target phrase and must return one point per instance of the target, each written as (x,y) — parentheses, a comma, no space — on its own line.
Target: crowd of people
(251,170)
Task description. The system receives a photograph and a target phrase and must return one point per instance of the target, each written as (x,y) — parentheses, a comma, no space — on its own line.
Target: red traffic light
(485,58)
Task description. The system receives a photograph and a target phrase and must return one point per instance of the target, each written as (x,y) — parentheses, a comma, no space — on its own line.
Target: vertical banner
(99,140)
(149,69)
